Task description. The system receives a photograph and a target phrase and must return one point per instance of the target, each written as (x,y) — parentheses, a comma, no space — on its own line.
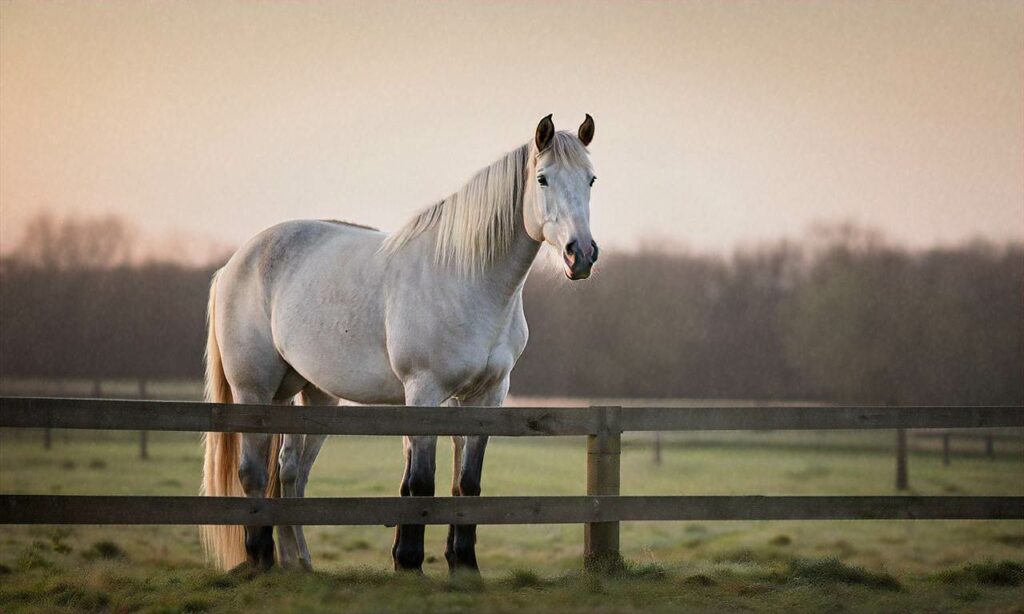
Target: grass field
(712,566)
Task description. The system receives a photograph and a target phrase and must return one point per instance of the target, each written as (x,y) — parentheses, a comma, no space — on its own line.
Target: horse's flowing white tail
(225,544)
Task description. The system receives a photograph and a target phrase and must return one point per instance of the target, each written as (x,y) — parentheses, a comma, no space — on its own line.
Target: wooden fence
(602,509)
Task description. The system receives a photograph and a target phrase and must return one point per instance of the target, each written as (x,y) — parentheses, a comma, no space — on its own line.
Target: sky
(718,124)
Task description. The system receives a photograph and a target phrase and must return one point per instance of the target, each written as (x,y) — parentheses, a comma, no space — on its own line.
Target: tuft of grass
(1015,540)
(68,465)
(581,582)
(97,463)
(465,582)
(650,571)
(1002,573)
(57,540)
(105,549)
(523,578)
(834,571)
(84,599)
(195,604)
(781,540)
(700,579)
(754,590)
(364,576)
(223,581)
(32,558)
(969,595)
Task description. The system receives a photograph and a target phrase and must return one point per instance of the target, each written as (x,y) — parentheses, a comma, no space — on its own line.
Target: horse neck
(505,276)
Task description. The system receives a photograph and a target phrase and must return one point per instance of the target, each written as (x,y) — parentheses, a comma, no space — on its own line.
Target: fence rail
(601,510)
(78,509)
(134,415)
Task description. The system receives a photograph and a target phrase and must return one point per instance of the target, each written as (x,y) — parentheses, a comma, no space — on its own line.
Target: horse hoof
(259,546)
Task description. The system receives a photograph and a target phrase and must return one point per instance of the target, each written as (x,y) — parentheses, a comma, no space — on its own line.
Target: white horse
(432,314)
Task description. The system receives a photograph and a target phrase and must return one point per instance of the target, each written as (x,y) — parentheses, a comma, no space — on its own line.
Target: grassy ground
(714,566)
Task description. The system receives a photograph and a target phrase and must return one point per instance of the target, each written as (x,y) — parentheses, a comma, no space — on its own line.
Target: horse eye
(542,180)
(592,180)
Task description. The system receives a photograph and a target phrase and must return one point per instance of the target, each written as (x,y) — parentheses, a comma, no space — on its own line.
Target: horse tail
(224,544)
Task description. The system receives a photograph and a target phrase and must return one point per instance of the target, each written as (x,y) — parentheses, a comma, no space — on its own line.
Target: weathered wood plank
(67,509)
(818,418)
(509,421)
(344,420)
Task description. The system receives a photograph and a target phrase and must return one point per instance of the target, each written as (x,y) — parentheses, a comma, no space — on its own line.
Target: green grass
(716,566)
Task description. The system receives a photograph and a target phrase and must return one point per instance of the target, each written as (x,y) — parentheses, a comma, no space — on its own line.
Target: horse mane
(476,224)
(352,224)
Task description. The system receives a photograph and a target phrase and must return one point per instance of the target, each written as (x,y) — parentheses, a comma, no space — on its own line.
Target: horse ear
(586,132)
(545,133)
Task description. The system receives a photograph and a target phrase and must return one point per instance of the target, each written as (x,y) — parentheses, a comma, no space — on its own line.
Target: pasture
(766,566)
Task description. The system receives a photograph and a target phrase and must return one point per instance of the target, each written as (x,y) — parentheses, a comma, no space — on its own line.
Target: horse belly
(328,324)
(356,375)
(342,358)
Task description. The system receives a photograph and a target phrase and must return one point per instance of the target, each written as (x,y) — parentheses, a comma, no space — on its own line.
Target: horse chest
(467,352)
(492,365)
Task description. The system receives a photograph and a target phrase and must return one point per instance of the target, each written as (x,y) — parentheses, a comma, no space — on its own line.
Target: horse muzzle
(579,260)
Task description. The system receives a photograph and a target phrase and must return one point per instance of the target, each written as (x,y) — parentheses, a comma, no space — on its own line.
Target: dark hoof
(461,561)
(259,547)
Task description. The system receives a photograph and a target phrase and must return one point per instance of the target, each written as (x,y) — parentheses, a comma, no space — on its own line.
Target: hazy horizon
(719,125)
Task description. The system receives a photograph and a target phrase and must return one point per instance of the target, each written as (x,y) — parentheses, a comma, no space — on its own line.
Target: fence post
(143,435)
(601,539)
(901,460)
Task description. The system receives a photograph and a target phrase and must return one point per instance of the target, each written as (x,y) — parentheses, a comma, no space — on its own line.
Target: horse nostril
(570,247)
(594,245)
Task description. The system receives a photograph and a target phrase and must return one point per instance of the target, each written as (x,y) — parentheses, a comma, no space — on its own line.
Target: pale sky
(719,124)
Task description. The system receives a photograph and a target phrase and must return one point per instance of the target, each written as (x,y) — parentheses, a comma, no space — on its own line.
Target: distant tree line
(846,318)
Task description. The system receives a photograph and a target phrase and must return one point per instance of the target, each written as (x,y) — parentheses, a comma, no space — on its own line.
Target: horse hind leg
(288,469)
(255,476)
(258,458)
(298,454)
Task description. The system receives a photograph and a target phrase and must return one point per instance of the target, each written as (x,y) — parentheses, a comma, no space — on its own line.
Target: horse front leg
(417,481)
(460,551)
